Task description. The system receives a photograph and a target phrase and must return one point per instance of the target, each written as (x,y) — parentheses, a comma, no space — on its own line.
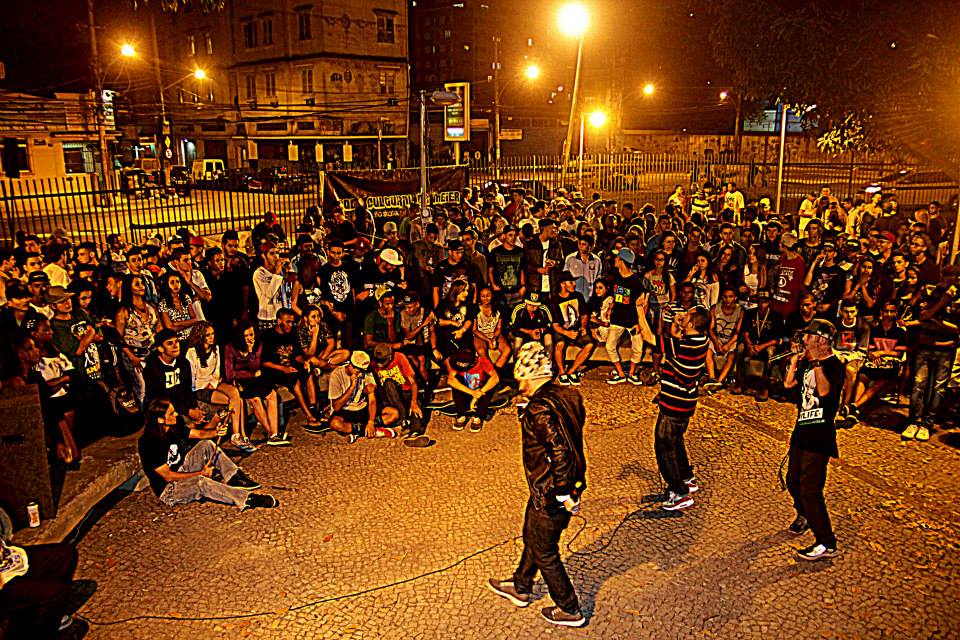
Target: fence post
(9,205)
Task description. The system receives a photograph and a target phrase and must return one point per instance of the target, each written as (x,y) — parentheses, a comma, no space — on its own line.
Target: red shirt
(399,370)
(786,291)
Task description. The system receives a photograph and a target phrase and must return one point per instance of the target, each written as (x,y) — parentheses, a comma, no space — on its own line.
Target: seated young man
(183,464)
(400,390)
(880,372)
(284,364)
(167,375)
(531,322)
(762,331)
(570,329)
(353,401)
(472,378)
(853,338)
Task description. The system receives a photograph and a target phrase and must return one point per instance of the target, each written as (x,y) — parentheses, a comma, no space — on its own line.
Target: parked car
(208,169)
(180,181)
(277,180)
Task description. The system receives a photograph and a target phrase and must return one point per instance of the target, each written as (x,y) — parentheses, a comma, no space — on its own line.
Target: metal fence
(652,178)
(89,212)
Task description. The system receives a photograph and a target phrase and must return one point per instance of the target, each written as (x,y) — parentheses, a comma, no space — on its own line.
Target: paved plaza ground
(377,540)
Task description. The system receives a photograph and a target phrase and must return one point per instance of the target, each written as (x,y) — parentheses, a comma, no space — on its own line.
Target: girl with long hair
(176,307)
(319,347)
(488,330)
(454,321)
(241,365)
(137,322)
(863,288)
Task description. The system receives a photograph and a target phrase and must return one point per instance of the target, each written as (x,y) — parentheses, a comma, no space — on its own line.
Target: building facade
(290,83)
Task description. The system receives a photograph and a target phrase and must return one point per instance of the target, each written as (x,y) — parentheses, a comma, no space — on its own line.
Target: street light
(127,50)
(648,89)
(597,120)
(723,95)
(532,72)
(573,19)
(199,74)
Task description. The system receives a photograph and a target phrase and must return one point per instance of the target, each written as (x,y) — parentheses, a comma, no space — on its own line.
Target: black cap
(566,276)
(454,245)
(38,276)
(464,360)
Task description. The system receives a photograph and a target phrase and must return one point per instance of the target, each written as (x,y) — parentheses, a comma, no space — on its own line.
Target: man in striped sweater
(685,355)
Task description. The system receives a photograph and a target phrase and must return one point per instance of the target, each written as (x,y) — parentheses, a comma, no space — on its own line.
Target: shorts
(350,416)
(580,341)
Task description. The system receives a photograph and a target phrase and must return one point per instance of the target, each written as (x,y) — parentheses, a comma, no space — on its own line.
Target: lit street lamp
(127,50)
(199,74)
(533,72)
(597,120)
(648,89)
(573,19)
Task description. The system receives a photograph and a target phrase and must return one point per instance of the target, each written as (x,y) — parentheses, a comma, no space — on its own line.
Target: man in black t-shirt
(167,374)
(826,279)
(339,281)
(283,364)
(625,287)
(762,330)
(454,267)
(570,328)
(531,321)
(505,269)
(881,369)
(814,439)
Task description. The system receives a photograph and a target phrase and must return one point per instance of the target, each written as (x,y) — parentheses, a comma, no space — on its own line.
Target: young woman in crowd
(137,322)
(319,347)
(241,365)
(488,329)
(176,307)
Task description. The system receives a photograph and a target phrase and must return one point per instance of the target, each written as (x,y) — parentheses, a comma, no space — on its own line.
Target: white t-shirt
(205,377)
(340,383)
(269,289)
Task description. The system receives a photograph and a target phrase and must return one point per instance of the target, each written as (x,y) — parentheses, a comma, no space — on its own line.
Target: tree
(173,6)
(880,72)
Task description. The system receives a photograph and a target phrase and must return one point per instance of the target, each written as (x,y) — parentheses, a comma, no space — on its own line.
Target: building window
(466,47)
(250,34)
(447,34)
(208,42)
(191,45)
(385,31)
(306,80)
(77,158)
(303,23)
(388,80)
(270,83)
(529,42)
(267,28)
(251,87)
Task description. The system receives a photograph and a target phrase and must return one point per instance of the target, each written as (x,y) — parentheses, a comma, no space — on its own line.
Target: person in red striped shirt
(685,356)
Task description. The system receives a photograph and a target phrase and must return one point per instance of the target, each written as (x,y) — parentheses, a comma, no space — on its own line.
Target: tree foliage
(880,72)
(173,6)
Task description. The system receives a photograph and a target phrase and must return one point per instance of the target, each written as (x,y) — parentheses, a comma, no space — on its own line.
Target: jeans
(613,340)
(931,370)
(184,491)
(136,379)
(541,551)
(35,602)
(462,402)
(806,477)
(394,396)
(672,453)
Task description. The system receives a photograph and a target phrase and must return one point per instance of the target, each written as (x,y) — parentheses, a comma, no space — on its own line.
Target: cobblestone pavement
(367,541)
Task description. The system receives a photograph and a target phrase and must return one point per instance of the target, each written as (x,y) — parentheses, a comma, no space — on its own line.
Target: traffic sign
(511,134)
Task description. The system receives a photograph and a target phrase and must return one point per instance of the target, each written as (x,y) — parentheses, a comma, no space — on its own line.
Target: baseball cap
(511,227)
(390,256)
(775,224)
(627,255)
(38,276)
(789,240)
(464,359)
(532,298)
(822,328)
(382,353)
(888,236)
(166,334)
(196,241)
(56,295)
(566,276)
(454,245)
(360,360)
(16,291)
(390,227)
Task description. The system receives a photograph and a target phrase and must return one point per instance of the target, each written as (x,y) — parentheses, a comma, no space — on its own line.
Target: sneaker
(843,411)
(240,480)
(65,621)
(476,424)
(353,437)
(923,433)
(277,440)
(261,501)
(676,502)
(459,424)
(417,441)
(910,432)
(736,390)
(634,380)
(384,432)
(653,379)
(763,395)
(575,378)
(817,551)
(246,446)
(556,615)
(505,589)
(237,441)
(563,379)
(798,526)
(692,485)
(321,427)
(616,378)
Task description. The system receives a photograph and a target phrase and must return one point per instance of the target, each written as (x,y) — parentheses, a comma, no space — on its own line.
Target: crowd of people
(359,325)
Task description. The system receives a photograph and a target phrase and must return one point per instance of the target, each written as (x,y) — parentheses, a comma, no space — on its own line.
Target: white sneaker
(910,432)
(923,434)
(65,622)
(237,440)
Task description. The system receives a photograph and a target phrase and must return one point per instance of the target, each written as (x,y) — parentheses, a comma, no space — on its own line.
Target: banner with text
(385,192)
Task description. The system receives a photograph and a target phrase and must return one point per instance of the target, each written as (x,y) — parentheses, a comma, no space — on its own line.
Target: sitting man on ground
(181,471)
(570,329)
(398,382)
(472,378)
(353,401)
(881,370)
(284,364)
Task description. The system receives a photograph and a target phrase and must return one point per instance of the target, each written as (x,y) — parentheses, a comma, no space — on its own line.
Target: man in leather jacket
(555,466)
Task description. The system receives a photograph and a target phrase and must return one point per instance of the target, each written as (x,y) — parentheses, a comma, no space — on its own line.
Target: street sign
(456,117)
(511,134)
(293,152)
(347,152)
(480,124)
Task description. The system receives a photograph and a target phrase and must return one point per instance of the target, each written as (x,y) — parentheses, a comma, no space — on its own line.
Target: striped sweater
(683,364)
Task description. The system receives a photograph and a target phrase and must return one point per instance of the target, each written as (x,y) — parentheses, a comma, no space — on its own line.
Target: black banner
(384,193)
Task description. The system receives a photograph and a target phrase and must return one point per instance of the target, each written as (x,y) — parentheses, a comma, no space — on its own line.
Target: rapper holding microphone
(814,440)
(551,427)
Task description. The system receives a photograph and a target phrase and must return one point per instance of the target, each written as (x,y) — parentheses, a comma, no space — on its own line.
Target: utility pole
(573,112)
(161,137)
(98,102)
(496,106)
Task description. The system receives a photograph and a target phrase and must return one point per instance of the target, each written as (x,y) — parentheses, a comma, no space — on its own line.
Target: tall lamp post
(573,20)
(441,99)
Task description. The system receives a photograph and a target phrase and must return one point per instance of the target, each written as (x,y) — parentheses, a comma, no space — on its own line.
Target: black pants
(806,477)
(36,601)
(541,551)
(396,397)
(462,402)
(672,452)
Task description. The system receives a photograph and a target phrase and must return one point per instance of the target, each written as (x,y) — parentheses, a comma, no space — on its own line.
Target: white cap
(390,256)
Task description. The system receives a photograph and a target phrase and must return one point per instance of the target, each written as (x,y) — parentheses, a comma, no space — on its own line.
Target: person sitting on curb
(353,401)
(180,471)
(531,322)
(398,383)
(472,378)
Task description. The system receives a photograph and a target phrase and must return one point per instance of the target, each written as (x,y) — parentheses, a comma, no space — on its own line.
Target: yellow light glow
(597,119)
(573,19)
(648,89)
(723,95)
(127,50)
(200,74)
(533,72)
